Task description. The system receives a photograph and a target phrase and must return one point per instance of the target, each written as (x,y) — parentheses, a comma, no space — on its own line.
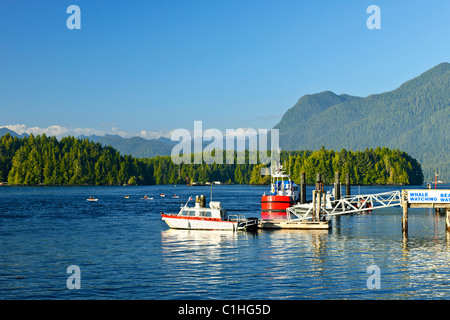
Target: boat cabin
(214,211)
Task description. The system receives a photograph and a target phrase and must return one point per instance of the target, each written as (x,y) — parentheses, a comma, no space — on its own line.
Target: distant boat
(127,197)
(175,196)
(162,195)
(147,198)
(91,199)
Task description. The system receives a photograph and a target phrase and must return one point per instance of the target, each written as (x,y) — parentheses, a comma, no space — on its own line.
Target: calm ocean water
(125,251)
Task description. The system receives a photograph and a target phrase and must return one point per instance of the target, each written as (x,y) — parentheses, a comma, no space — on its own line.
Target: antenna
(289,155)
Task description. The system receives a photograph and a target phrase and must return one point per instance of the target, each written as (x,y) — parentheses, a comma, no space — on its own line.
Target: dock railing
(365,202)
(347,205)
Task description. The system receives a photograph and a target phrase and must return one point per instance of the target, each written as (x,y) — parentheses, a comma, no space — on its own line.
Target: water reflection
(245,260)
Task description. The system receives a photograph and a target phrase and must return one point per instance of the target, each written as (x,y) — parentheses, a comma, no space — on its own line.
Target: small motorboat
(127,197)
(175,196)
(147,198)
(91,199)
(162,195)
(213,218)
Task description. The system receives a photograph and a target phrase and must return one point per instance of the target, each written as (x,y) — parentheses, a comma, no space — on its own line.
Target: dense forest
(42,160)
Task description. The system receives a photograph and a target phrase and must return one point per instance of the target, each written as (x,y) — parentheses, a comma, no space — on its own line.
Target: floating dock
(316,215)
(313,219)
(292,224)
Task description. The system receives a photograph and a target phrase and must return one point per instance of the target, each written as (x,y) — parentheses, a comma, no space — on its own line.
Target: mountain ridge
(406,118)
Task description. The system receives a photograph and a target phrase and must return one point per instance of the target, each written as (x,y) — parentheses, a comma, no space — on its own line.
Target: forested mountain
(43,160)
(413,118)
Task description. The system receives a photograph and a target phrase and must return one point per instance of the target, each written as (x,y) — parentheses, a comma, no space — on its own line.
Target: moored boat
(283,194)
(215,217)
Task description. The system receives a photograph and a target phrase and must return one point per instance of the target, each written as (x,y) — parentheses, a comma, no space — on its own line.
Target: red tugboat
(283,194)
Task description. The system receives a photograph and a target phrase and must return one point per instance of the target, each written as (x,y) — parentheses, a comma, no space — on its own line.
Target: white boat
(91,199)
(213,218)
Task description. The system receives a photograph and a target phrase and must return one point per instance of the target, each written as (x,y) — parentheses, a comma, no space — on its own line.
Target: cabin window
(205,214)
(192,213)
(184,213)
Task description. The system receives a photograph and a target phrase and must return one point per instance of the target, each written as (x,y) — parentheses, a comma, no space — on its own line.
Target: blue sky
(137,67)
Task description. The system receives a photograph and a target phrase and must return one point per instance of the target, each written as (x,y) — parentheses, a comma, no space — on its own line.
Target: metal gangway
(344,205)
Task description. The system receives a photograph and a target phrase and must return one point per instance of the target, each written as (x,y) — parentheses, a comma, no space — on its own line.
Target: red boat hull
(274,207)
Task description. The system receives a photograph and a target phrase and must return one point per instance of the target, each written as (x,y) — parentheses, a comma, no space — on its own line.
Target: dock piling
(347,185)
(404,203)
(337,186)
(447,219)
(314,205)
(302,188)
(319,183)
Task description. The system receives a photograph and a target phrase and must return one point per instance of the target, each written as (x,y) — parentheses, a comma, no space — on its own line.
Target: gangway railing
(367,202)
(347,205)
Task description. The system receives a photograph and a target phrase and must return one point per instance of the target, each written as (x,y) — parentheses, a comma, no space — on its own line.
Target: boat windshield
(205,214)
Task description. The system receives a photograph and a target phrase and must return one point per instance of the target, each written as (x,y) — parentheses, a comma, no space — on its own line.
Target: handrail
(346,205)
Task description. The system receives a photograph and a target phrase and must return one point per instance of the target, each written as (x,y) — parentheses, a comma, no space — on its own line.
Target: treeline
(368,167)
(43,160)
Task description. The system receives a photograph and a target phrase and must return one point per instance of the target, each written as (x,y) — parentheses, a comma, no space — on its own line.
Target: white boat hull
(192,223)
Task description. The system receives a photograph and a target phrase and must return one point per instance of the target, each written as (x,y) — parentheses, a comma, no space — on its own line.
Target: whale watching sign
(429,196)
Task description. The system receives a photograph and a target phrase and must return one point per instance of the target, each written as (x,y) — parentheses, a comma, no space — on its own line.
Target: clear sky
(158,65)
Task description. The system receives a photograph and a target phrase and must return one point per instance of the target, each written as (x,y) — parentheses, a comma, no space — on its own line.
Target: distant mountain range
(4,131)
(136,146)
(413,118)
